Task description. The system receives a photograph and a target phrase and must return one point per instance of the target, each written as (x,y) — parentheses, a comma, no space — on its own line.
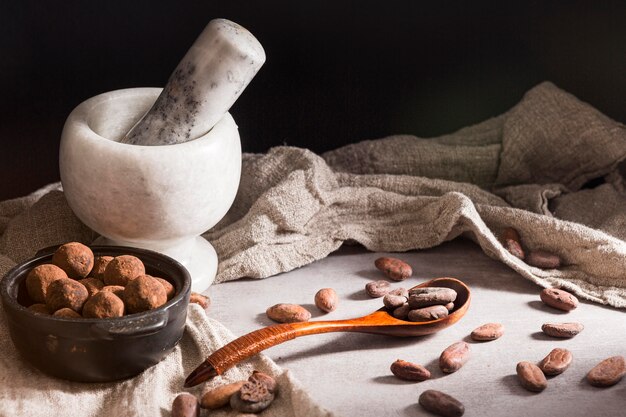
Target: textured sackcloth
(526,168)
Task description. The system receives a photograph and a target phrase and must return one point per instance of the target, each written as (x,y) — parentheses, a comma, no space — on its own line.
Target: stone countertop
(348,373)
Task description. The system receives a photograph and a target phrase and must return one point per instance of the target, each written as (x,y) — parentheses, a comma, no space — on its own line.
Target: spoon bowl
(378,322)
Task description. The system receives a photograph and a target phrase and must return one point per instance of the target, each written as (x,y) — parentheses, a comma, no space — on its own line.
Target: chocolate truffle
(115,289)
(39,278)
(67,313)
(75,259)
(169,288)
(99,265)
(144,293)
(103,305)
(122,269)
(39,308)
(93,285)
(66,292)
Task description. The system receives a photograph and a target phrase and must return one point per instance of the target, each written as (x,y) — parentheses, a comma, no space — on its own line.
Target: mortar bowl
(160,198)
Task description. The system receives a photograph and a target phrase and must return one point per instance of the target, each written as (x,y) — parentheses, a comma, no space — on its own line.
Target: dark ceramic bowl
(97,350)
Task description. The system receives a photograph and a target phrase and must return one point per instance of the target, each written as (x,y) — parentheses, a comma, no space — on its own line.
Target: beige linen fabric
(526,168)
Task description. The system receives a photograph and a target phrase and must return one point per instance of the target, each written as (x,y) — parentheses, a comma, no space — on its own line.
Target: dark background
(337,72)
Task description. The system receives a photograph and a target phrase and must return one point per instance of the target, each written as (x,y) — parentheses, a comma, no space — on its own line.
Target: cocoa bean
(449,306)
(563,330)
(441,403)
(427,313)
(557,361)
(486,332)
(219,396)
(393,301)
(394,268)
(608,372)
(409,371)
(559,299)
(402,312)
(431,296)
(400,291)
(202,300)
(531,377)
(454,357)
(543,259)
(185,405)
(326,300)
(512,242)
(288,313)
(376,289)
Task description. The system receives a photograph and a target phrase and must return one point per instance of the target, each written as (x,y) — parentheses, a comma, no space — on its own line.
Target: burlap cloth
(550,167)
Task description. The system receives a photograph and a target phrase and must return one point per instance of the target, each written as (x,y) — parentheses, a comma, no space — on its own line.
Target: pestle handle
(205,84)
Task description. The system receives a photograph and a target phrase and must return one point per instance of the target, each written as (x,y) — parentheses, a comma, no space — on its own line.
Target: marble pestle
(205,84)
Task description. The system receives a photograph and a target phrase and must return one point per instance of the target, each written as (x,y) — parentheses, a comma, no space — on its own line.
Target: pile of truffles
(79,284)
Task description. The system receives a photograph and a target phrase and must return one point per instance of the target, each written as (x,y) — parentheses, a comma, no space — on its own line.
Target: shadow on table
(539,305)
(511,382)
(347,342)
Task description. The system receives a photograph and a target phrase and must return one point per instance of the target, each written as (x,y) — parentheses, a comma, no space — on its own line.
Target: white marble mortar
(155,197)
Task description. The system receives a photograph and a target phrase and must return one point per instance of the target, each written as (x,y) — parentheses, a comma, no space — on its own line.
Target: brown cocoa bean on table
(202,300)
(441,403)
(376,289)
(427,313)
(431,296)
(531,377)
(256,394)
(557,361)
(326,300)
(454,357)
(487,332)
(185,405)
(288,313)
(512,242)
(219,396)
(409,371)
(559,299)
(394,268)
(608,372)
(563,330)
(543,259)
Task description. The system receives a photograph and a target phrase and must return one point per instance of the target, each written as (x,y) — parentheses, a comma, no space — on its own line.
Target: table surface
(348,373)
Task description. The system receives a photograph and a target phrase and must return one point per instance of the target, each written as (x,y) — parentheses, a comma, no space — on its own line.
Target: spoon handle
(254,342)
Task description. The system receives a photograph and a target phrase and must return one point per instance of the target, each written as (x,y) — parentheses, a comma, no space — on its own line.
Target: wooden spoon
(379,322)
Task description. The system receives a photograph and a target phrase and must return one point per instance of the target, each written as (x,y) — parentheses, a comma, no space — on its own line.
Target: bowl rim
(8,280)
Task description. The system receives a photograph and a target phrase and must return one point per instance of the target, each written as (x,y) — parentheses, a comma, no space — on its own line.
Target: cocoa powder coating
(122,269)
(169,288)
(75,259)
(66,292)
(115,289)
(99,266)
(103,305)
(39,309)
(143,293)
(93,285)
(67,313)
(39,278)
